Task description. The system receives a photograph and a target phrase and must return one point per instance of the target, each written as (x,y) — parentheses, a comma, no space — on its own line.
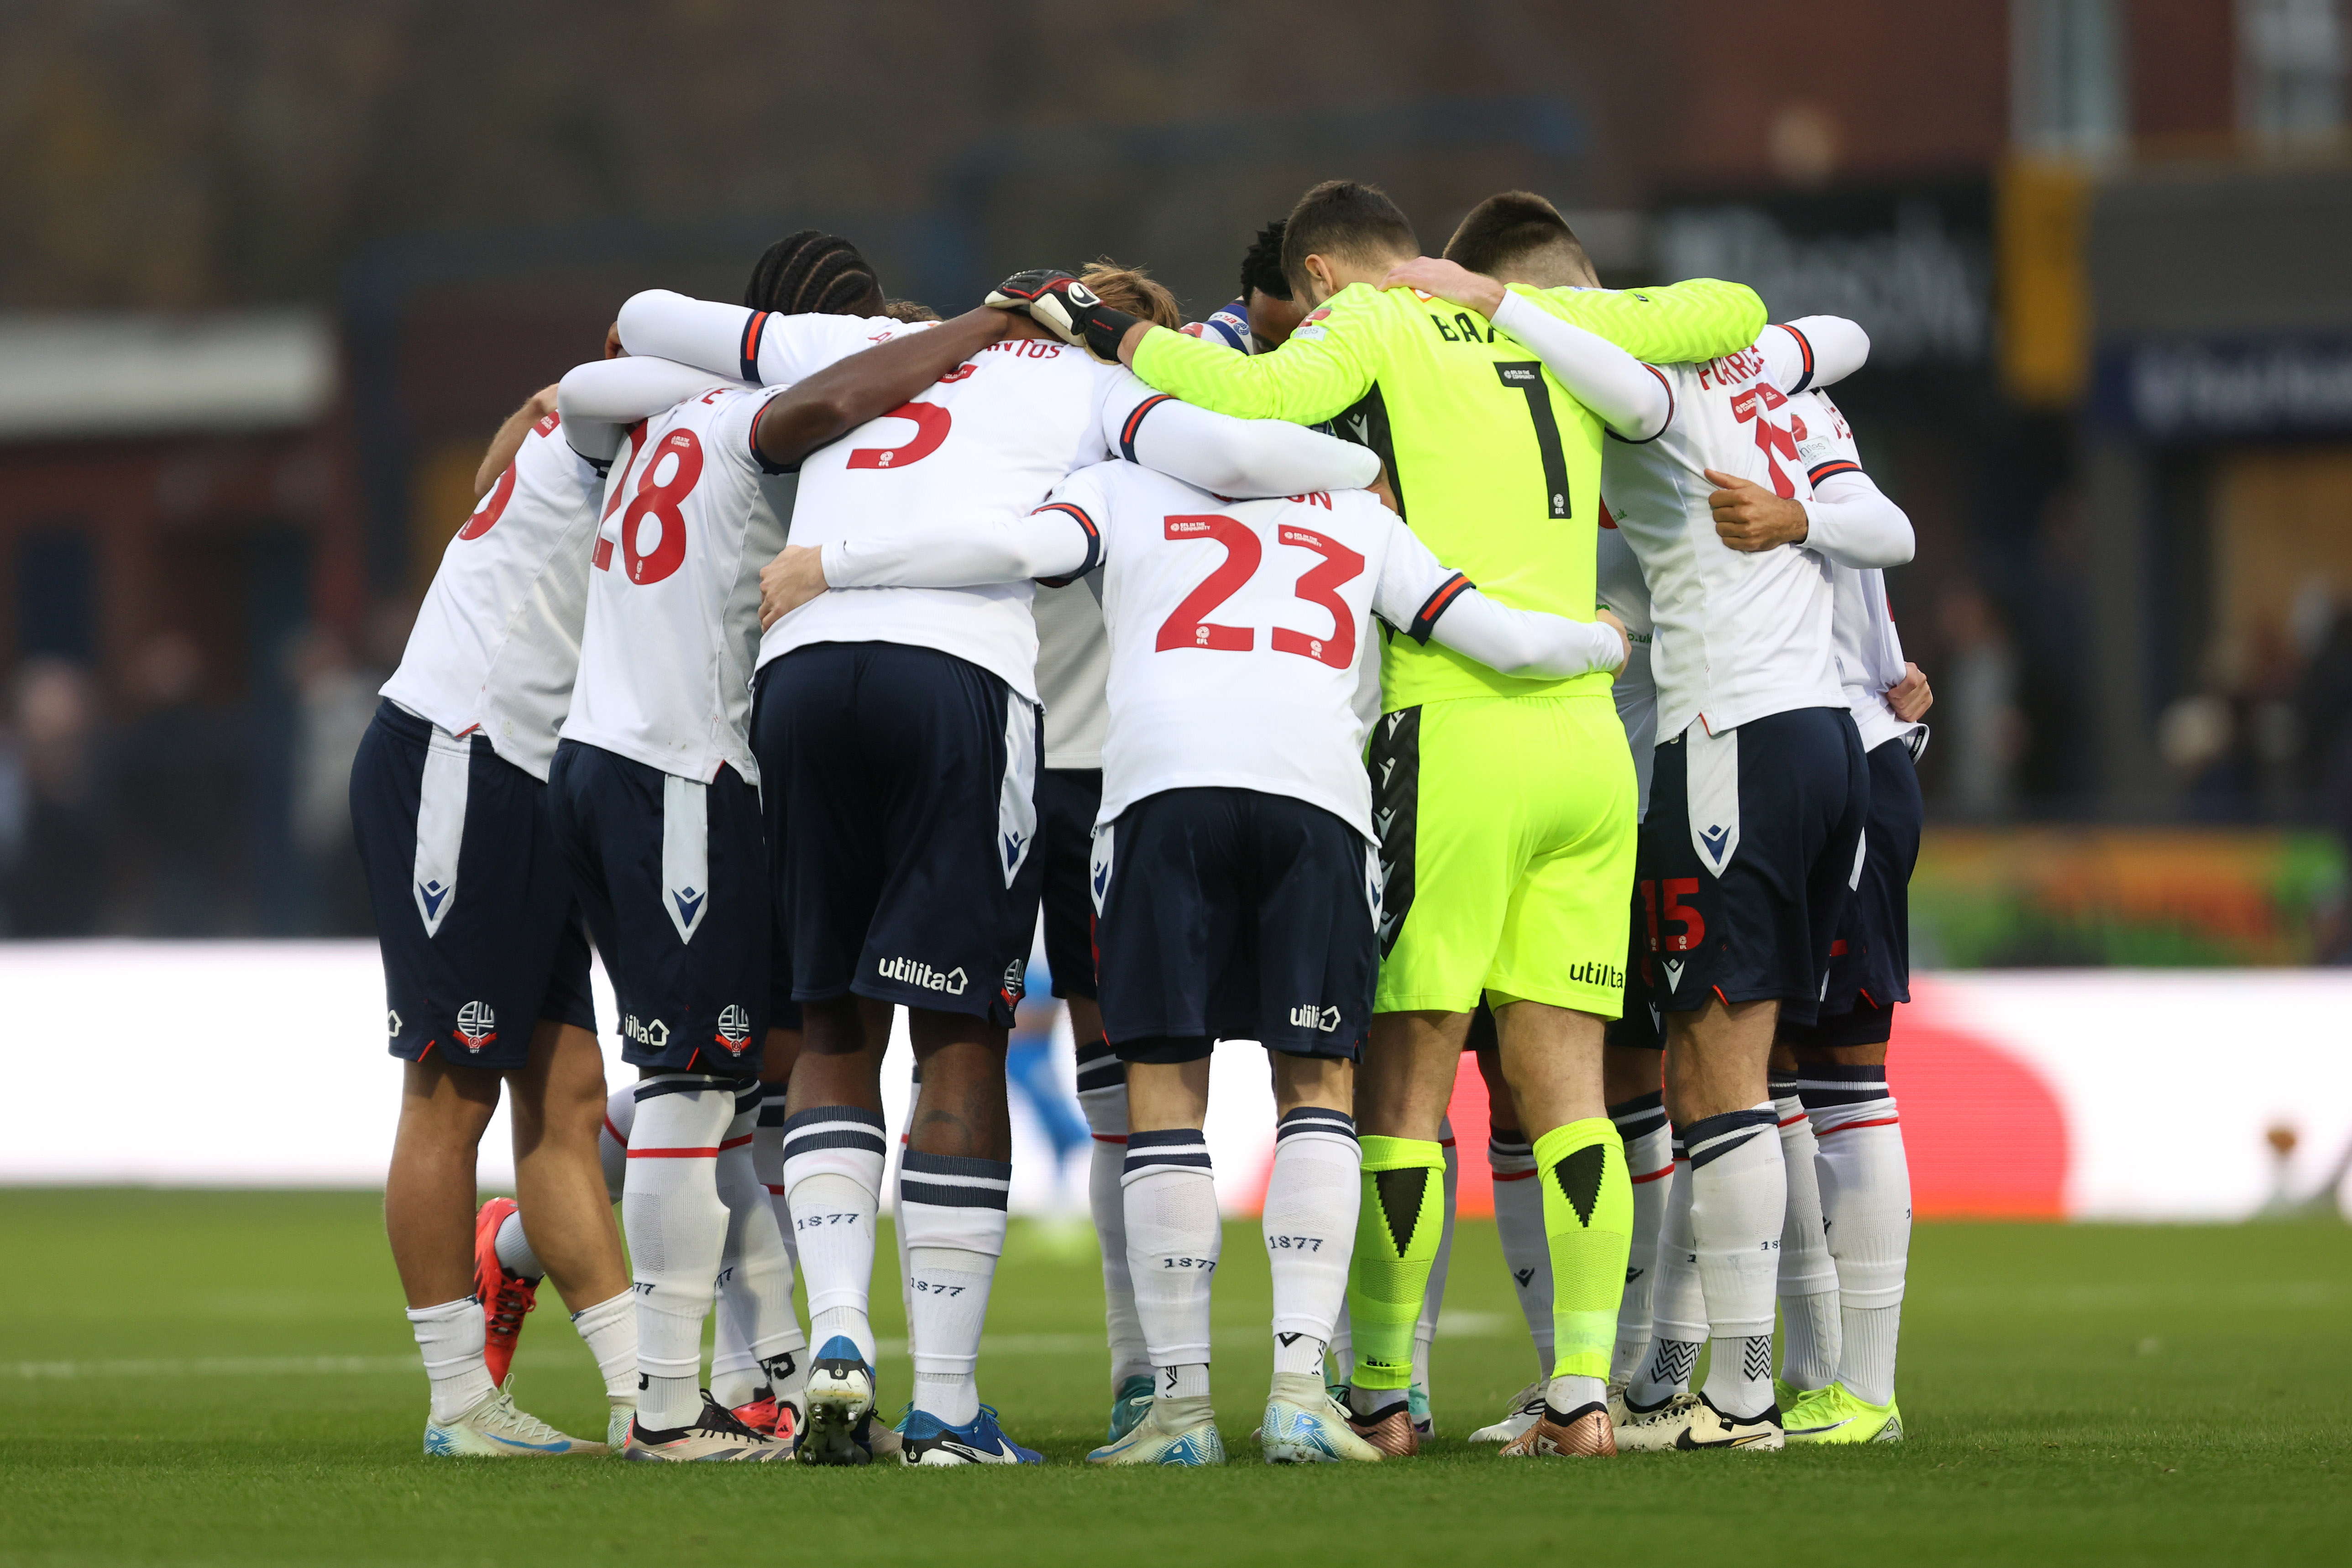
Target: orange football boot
(505,1296)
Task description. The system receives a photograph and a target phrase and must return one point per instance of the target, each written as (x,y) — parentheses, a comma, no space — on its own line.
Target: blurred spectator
(2323,706)
(179,784)
(1976,707)
(333,700)
(53,850)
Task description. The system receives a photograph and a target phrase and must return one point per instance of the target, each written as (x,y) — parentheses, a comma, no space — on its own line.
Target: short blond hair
(1132,290)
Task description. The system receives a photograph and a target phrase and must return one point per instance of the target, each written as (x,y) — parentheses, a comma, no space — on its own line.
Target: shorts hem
(498,1061)
(1606,1005)
(1425,1002)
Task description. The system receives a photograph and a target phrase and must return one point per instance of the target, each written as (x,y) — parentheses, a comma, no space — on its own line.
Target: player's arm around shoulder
(1327,363)
(1698,319)
(1423,598)
(1062,540)
(1227,456)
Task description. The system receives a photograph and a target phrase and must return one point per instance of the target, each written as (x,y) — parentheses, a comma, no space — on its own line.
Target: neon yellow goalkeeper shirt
(1495,467)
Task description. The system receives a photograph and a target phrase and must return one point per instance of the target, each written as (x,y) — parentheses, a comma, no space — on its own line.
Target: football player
(486,976)
(1836,1067)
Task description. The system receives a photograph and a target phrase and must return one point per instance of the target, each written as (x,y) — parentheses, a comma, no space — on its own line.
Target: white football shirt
(1235,629)
(690,515)
(1735,636)
(1073,667)
(1622,590)
(1868,652)
(497,641)
(988,442)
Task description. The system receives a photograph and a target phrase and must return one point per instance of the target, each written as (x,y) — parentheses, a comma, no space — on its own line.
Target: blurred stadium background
(276,270)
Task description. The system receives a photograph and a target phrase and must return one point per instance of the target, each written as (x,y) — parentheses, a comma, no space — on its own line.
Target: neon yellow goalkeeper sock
(1588,1210)
(1397,1230)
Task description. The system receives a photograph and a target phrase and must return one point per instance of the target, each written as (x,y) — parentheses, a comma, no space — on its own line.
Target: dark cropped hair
(1510,227)
(1344,217)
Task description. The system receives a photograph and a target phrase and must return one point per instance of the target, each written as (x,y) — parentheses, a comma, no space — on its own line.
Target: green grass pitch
(225,1377)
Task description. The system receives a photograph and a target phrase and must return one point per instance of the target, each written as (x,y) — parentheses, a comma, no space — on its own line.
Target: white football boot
(1173,1432)
(1527,1409)
(1304,1425)
(492,1428)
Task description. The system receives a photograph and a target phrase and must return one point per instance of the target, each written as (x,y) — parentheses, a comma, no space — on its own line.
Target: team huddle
(1418,656)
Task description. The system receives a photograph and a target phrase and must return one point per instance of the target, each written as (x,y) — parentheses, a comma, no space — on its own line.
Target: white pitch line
(1459,1325)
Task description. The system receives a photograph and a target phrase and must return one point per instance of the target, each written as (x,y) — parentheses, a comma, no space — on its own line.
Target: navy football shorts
(1870,962)
(907,780)
(1067,802)
(1234,914)
(1749,858)
(473,899)
(672,873)
(1642,1026)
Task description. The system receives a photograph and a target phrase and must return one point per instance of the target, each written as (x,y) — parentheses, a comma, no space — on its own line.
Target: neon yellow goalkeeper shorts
(1508,834)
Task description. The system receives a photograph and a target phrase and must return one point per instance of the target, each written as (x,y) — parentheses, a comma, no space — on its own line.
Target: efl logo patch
(478,1026)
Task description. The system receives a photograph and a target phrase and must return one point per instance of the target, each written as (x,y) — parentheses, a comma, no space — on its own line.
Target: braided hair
(1262,264)
(812,273)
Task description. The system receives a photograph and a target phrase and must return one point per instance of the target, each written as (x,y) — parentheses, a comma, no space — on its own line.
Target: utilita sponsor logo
(1307,1015)
(912,972)
(654,1035)
(1607,975)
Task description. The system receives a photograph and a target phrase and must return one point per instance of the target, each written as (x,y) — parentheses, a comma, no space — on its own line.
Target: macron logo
(431,892)
(1714,840)
(921,976)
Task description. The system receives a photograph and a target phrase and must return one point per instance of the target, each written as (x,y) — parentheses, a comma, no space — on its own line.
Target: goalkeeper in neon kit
(1506,805)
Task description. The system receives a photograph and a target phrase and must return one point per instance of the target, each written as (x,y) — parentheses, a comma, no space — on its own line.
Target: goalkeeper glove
(1067,308)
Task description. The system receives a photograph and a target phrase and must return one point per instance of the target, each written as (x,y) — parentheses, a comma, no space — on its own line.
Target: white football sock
(899,1220)
(833,1177)
(450,1338)
(1808,1280)
(1866,1195)
(612,1139)
(1102,1095)
(952,1211)
(1309,1225)
(676,1227)
(610,1331)
(1640,1123)
(1739,1198)
(757,1324)
(1679,1306)
(514,1250)
(1519,1220)
(1173,1243)
(1432,1299)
